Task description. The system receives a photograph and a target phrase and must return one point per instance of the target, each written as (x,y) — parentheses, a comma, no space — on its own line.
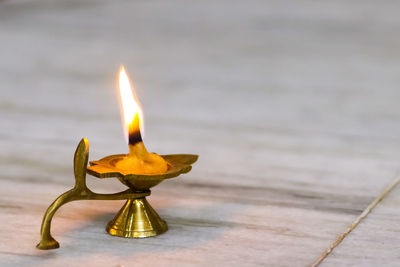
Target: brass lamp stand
(136,219)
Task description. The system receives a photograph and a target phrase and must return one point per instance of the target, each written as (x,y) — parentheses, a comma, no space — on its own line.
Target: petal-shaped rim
(179,163)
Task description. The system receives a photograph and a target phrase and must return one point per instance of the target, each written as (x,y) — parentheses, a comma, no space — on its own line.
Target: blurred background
(295,96)
(243,83)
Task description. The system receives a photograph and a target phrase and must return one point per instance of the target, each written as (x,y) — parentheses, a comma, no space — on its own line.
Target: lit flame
(131,113)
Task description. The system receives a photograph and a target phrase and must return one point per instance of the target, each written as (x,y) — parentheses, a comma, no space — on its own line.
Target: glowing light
(130,106)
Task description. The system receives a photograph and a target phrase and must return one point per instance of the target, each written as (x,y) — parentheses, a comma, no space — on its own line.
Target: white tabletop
(293,107)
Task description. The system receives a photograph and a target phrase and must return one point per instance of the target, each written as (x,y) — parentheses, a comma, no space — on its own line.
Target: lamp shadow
(188,228)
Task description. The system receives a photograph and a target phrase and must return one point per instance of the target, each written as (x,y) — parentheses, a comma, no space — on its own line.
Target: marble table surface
(293,107)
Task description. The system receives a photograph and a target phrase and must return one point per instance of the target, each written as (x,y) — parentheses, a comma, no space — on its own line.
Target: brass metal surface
(136,218)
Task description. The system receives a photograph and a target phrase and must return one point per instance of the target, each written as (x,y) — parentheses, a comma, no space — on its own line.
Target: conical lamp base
(137,219)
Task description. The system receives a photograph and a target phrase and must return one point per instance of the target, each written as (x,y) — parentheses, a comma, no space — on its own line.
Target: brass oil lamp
(139,171)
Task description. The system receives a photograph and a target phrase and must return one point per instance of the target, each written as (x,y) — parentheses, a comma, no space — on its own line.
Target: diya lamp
(139,170)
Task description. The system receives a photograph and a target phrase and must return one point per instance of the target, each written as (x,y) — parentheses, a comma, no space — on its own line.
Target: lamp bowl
(105,168)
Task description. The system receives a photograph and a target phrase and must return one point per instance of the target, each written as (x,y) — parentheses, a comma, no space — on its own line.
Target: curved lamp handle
(79,192)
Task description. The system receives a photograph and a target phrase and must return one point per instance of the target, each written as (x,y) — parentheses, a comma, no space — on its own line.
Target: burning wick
(139,160)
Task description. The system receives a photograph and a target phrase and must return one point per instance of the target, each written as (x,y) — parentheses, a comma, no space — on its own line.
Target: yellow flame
(129,104)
